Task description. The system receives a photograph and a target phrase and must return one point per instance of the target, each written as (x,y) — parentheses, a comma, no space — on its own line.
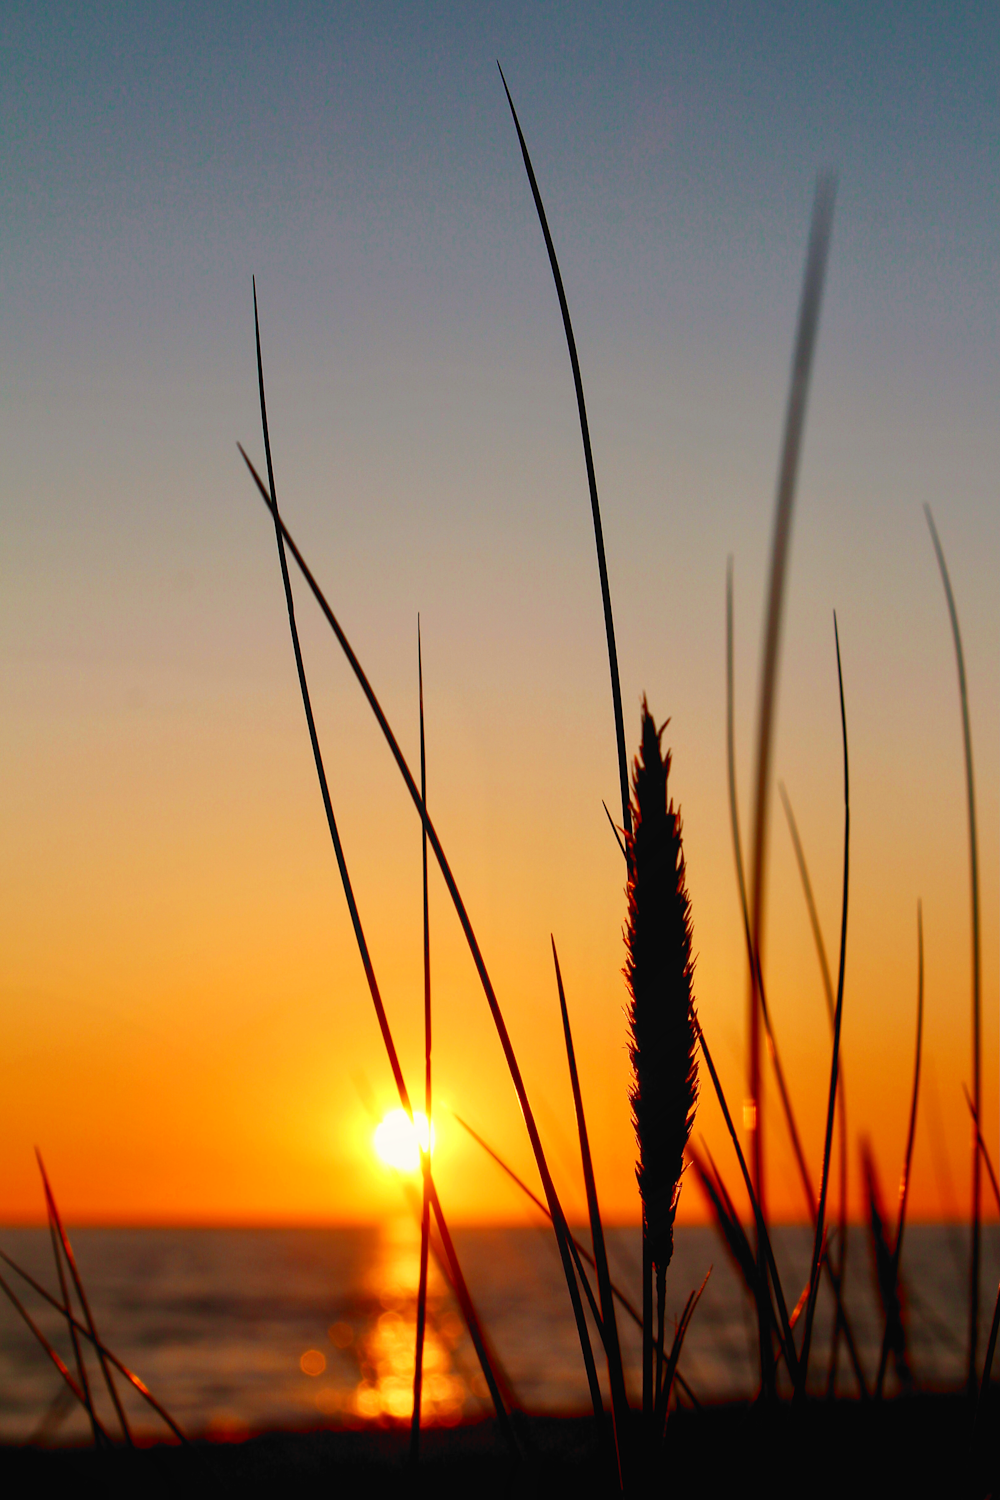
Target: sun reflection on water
(382,1340)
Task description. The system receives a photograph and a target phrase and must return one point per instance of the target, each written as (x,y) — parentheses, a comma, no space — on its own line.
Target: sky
(187,1032)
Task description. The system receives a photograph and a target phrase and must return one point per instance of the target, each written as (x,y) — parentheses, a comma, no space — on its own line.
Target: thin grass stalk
(84,1304)
(100,1433)
(614,830)
(670,1367)
(559,1222)
(425,1155)
(782,1327)
(727,1221)
(977,1020)
(835,1277)
(383,1020)
(805,343)
(81,1365)
(609,624)
(99,1347)
(904,1181)
(817,932)
(984,1149)
(889,1284)
(609,1326)
(835,1059)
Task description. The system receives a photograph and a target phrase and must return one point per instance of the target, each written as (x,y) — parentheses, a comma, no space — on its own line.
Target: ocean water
(238,1330)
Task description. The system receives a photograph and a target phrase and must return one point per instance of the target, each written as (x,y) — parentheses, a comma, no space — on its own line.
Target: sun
(398,1142)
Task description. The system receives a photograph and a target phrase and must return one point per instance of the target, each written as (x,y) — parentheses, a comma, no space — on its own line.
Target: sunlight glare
(398,1143)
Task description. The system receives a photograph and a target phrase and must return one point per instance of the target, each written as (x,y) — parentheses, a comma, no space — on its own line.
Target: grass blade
(887,1277)
(732,1231)
(782,1327)
(425,1156)
(670,1369)
(817,932)
(987,1366)
(464,1298)
(609,1327)
(835,1059)
(559,1222)
(58,1253)
(67,1250)
(904,1181)
(609,624)
(805,343)
(977,1020)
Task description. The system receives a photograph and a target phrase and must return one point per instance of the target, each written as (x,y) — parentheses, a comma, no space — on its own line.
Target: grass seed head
(658,971)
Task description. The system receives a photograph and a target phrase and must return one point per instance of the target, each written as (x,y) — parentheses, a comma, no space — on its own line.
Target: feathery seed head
(658,972)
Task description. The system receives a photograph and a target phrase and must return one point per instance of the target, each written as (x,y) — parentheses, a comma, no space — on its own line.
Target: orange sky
(186,1029)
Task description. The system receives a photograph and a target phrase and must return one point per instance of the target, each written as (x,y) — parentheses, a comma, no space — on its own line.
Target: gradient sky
(186,1030)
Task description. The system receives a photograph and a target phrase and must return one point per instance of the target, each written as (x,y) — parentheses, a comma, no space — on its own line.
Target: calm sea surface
(238,1330)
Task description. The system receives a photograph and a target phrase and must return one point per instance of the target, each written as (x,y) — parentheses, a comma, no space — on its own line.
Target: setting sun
(398,1141)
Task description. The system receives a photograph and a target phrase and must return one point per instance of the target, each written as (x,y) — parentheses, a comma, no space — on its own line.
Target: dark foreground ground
(921,1446)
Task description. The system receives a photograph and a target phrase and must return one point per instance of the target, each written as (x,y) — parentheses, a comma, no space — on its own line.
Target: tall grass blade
(977,1019)
(59,1252)
(805,343)
(559,1223)
(886,1275)
(726,1219)
(904,1181)
(425,1156)
(609,1326)
(835,1277)
(67,1249)
(609,624)
(99,1347)
(383,1020)
(817,932)
(835,1058)
(782,1326)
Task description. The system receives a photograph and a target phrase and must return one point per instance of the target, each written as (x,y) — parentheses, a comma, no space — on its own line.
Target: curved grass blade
(67,1250)
(904,1182)
(609,624)
(817,932)
(609,1327)
(559,1222)
(805,343)
(425,1156)
(86,1395)
(464,1298)
(835,1276)
(835,1059)
(977,1006)
(782,1326)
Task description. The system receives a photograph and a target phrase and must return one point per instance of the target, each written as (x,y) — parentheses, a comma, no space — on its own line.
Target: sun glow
(398,1141)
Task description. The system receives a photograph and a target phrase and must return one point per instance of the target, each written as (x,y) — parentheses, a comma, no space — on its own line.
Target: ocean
(242,1330)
